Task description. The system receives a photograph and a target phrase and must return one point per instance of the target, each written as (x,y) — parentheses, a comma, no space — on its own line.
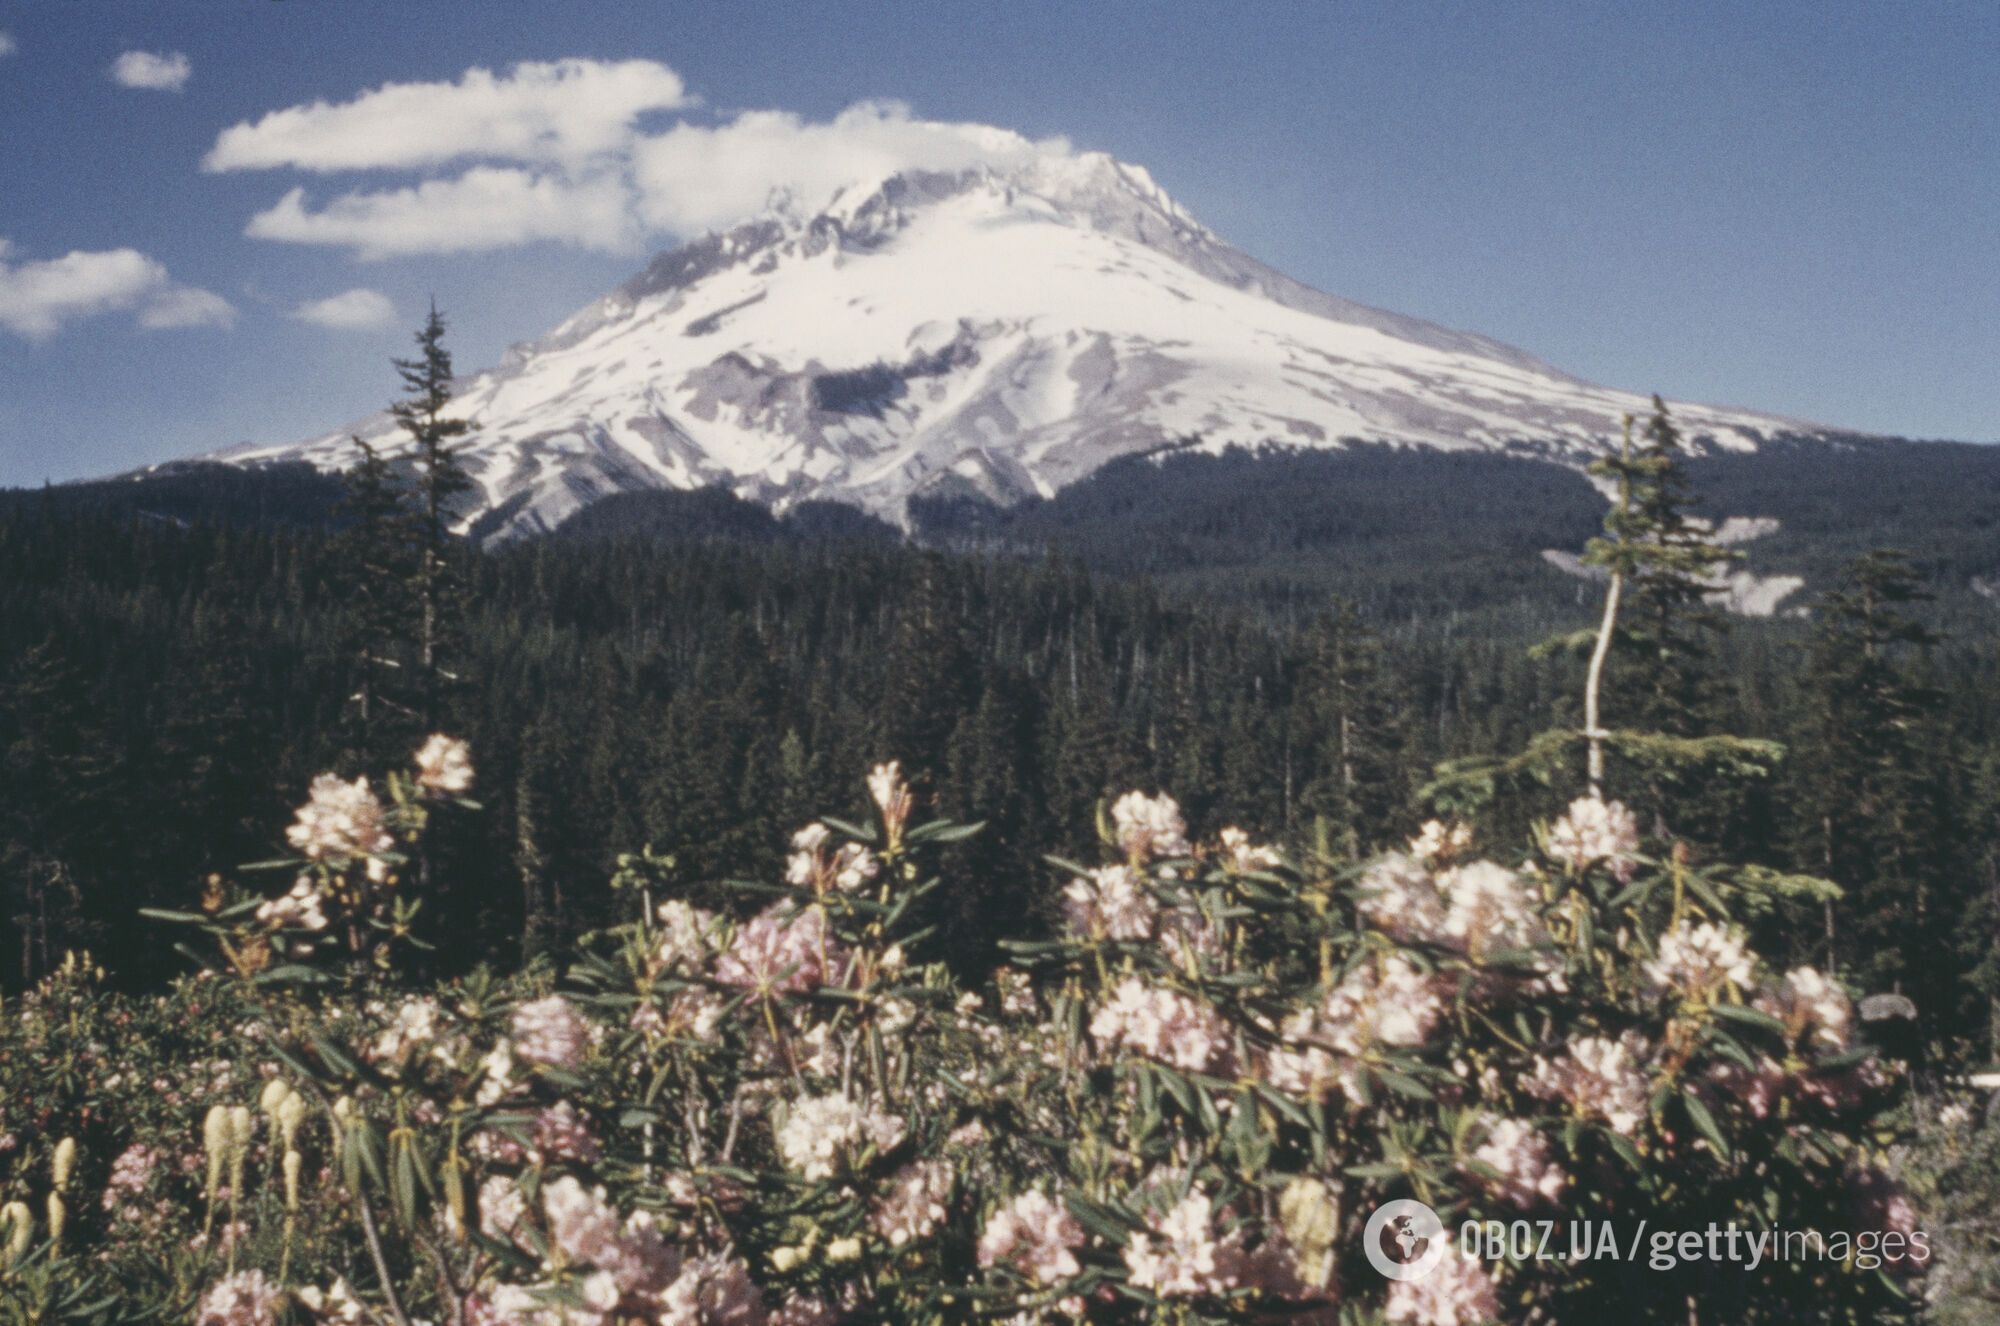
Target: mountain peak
(1000,330)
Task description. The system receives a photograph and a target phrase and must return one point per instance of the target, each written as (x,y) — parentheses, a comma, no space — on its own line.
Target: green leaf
(332,1055)
(1750,1017)
(1108,1224)
(1705,1122)
(292,973)
(1626,1151)
(1375,1170)
(951,833)
(1404,1084)
(854,831)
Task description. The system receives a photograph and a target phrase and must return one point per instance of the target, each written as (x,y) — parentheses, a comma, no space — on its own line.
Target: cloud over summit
(559,152)
(558,111)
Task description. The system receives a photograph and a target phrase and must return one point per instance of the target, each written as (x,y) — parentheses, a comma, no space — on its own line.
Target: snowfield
(994,333)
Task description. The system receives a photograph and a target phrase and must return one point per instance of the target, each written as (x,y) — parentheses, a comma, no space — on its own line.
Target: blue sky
(1791,207)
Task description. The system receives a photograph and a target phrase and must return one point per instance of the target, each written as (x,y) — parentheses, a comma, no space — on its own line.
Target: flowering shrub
(1182,1108)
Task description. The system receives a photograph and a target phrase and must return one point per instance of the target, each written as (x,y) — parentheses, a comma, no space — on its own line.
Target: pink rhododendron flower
(1519,1154)
(1162,1024)
(341,822)
(444,765)
(549,1031)
(1180,1257)
(246,1298)
(778,950)
(1148,827)
(1458,1292)
(1598,1079)
(1035,1236)
(1112,903)
(1595,831)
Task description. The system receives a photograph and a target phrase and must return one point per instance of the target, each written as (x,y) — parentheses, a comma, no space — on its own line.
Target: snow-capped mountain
(997,332)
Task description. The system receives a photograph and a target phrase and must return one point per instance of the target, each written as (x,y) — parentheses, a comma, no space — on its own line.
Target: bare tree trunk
(1593,685)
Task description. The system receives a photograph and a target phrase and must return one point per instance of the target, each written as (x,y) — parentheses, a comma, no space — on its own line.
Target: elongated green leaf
(1750,1017)
(1705,1122)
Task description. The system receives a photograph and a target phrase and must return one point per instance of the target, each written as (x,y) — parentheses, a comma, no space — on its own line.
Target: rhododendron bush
(1179,1099)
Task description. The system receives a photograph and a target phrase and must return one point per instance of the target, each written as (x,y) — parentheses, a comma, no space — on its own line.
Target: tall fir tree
(1351,737)
(56,768)
(378,579)
(1876,785)
(1666,627)
(1648,688)
(438,586)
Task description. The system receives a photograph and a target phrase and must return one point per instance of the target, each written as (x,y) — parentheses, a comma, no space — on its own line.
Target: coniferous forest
(539,975)
(688,678)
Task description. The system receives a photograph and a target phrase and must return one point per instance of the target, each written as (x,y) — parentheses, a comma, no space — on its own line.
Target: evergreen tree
(1667,564)
(438,586)
(1350,736)
(379,572)
(1652,655)
(1875,787)
(54,769)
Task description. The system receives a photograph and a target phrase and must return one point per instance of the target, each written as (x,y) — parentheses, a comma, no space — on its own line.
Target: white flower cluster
(1440,843)
(336,1305)
(1811,1007)
(1457,1292)
(845,869)
(1180,1256)
(1518,1154)
(1698,960)
(891,795)
(301,908)
(1112,903)
(821,1132)
(1595,831)
(1398,895)
(414,1026)
(1034,1235)
(1489,908)
(1239,853)
(1162,1024)
(685,936)
(915,1204)
(341,822)
(1476,909)
(1392,1003)
(781,949)
(1598,1078)
(1148,827)
(444,766)
(617,1268)
(1389,1002)
(549,1031)
(247,1298)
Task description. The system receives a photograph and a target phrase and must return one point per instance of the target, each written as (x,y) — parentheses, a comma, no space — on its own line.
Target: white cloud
(350,310)
(154,72)
(186,306)
(7,44)
(572,165)
(697,177)
(488,207)
(38,298)
(563,111)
